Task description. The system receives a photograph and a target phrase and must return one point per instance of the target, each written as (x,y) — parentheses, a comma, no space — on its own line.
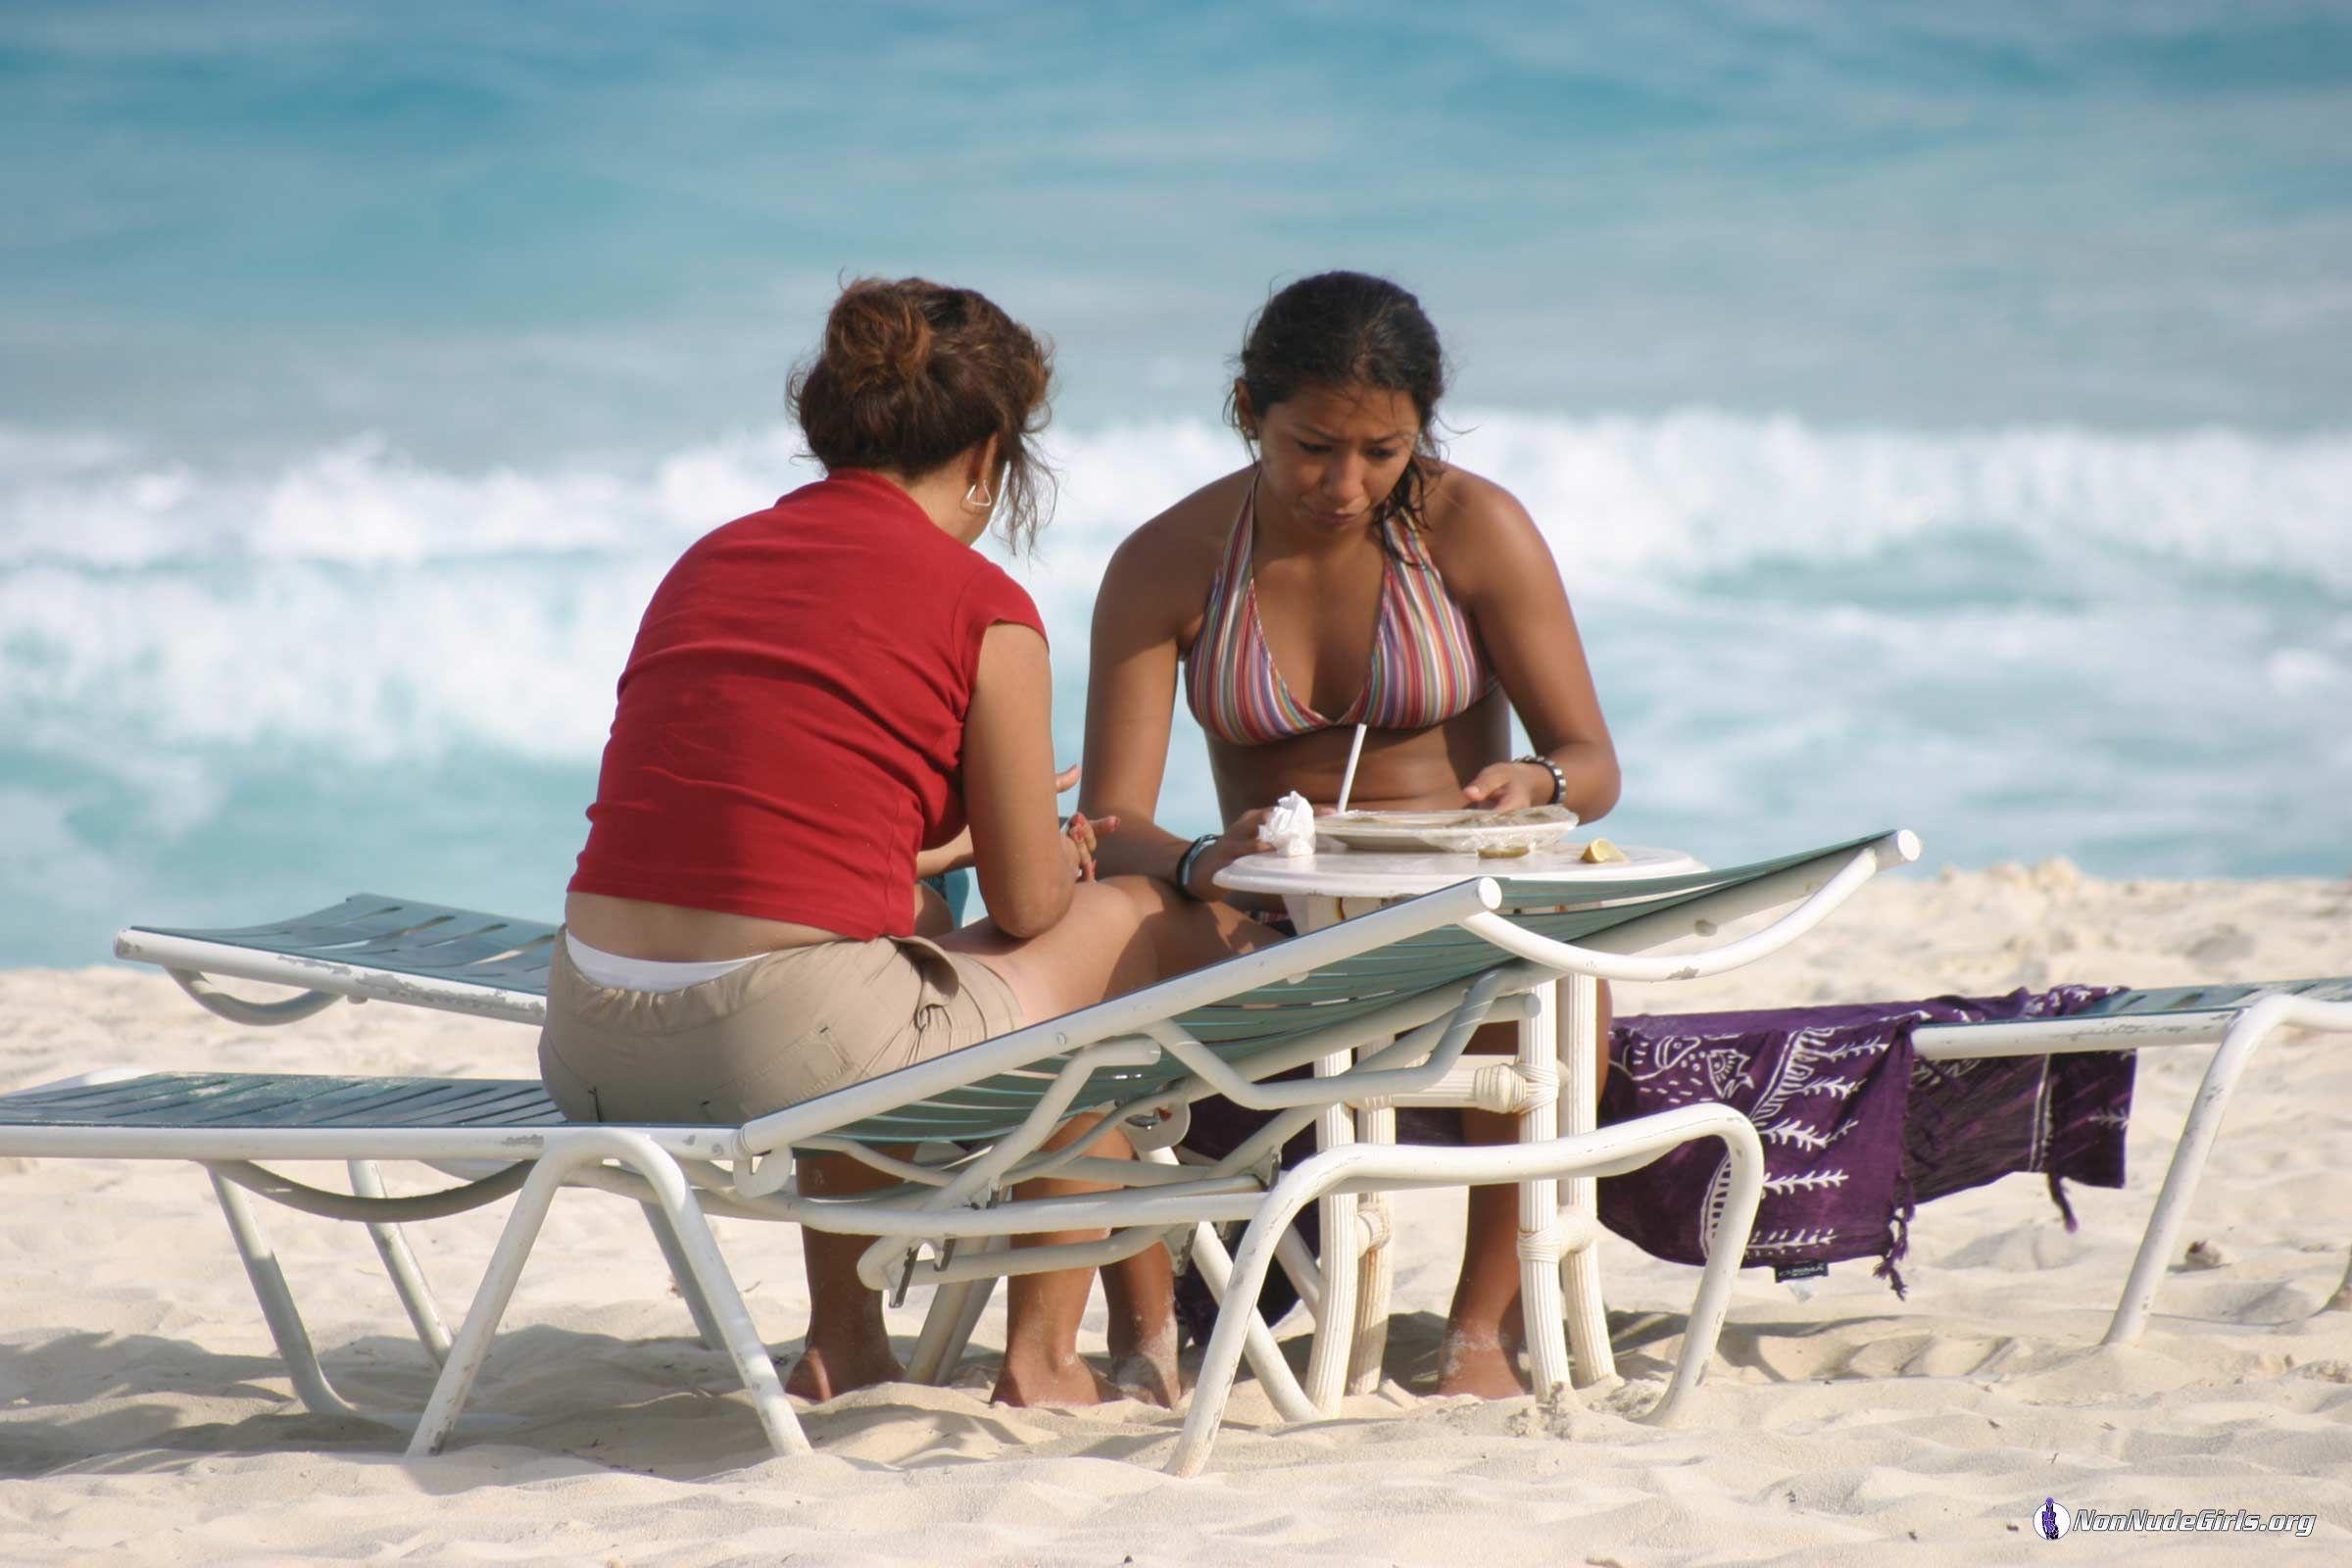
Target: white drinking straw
(1355,749)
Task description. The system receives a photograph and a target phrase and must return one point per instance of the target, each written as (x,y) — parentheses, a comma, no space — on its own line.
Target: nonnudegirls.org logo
(2054,1519)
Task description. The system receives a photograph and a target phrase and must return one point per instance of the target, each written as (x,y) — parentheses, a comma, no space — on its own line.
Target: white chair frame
(683,1174)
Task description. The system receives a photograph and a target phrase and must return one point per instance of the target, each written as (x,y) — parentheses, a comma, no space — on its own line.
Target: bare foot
(1478,1364)
(1144,1367)
(818,1374)
(1029,1382)
(1153,1380)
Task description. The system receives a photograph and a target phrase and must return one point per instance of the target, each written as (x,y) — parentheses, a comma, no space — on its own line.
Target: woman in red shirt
(824,697)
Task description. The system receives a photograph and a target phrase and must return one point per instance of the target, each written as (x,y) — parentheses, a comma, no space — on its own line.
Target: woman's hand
(952,856)
(1239,838)
(1508,786)
(1079,832)
(1079,836)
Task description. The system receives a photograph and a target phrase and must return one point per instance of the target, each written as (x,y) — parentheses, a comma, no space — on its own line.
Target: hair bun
(912,374)
(877,338)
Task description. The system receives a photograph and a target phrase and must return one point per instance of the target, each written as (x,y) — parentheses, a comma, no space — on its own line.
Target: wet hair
(1339,331)
(913,373)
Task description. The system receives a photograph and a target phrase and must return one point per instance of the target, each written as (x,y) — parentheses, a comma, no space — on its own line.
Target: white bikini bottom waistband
(644,974)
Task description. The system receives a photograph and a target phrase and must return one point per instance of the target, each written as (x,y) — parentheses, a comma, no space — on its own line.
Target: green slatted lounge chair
(1402,987)
(2236,1018)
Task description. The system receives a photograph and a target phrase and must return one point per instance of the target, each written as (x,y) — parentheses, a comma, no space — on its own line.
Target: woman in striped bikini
(1347,575)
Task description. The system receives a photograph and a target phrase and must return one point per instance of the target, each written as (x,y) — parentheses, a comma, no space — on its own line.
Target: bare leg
(1121,933)
(1141,1294)
(1042,1365)
(1484,1331)
(1475,1357)
(847,1347)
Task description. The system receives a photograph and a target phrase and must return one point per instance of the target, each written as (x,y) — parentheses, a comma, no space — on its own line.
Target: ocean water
(1940,418)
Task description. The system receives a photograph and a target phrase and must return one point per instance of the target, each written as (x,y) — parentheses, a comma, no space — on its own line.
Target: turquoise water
(1940,418)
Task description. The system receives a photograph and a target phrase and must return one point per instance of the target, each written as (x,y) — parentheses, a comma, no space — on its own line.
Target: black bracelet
(1559,780)
(1190,858)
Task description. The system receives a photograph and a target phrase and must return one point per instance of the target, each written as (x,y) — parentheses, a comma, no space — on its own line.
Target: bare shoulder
(1478,530)
(1165,565)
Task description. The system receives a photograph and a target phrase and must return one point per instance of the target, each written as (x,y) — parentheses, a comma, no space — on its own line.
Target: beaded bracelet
(1191,858)
(1559,780)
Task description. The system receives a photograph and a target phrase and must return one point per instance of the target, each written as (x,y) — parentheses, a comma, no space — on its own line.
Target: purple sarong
(1857,1132)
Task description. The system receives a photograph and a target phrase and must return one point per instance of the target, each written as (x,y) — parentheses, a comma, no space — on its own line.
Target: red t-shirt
(791,719)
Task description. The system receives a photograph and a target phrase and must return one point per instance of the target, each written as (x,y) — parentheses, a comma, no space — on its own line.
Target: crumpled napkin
(1289,829)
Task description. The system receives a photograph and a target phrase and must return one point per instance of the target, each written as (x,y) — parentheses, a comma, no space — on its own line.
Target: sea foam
(364,603)
(2134,650)
(1690,490)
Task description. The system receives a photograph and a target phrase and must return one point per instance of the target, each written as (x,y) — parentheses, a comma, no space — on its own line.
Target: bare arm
(952,856)
(1130,705)
(1511,586)
(1009,783)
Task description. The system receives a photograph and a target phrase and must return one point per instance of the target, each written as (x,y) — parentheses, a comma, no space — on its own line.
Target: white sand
(147,1420)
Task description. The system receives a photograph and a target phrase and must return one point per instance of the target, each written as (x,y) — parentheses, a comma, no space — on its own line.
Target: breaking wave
(1799,632)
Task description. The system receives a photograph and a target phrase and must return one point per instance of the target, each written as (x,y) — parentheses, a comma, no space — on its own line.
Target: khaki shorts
(781,1029)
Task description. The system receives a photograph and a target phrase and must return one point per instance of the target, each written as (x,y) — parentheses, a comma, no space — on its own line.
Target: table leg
(1376,1218)
(1539,1203)
(1580,1196)
(1327,1364)
(1376,1269)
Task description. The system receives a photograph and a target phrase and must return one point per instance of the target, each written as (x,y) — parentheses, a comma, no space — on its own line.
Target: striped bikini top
(1426,662)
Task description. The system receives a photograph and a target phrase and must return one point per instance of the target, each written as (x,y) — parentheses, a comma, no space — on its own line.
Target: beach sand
(145,1418)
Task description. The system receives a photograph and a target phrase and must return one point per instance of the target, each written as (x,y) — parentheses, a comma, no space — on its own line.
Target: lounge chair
(1405,987)
(1582,931)
(2237,1018)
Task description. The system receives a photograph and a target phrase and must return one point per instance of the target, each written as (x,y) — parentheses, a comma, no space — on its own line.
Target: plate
(1493,835)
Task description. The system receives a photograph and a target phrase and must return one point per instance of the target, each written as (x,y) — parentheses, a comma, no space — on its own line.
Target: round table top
(1374,874)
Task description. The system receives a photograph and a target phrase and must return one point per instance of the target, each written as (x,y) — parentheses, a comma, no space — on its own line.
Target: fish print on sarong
(1857,1130)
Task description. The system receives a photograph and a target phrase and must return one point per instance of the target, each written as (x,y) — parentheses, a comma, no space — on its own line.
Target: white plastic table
(1559,1042)
(1336,884)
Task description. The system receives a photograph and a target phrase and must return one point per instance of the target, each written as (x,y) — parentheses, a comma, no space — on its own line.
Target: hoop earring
(976,498)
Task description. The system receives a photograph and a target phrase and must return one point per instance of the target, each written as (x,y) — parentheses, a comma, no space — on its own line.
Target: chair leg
(1626,1147)
(706,1328)
(408,1280)
(2341,1300)
(1257,1339)
(1727,1251)
(947,1327)
(696,1248)
(278,1310)
(2204,1124)
(1307,1275)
